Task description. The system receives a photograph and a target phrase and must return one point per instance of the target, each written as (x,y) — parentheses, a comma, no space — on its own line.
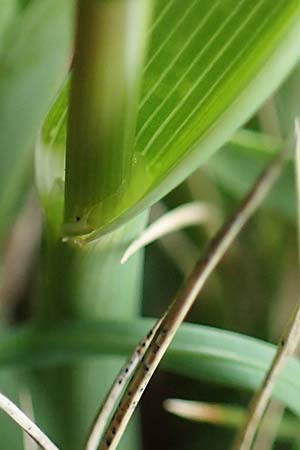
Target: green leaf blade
(186,116)
(210,66)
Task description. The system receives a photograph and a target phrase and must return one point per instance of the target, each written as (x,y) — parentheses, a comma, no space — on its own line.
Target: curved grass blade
(193,213)
(198,352)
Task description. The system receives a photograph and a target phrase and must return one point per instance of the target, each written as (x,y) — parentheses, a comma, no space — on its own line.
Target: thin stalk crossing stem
(179,308)
(286,348)
(116,389)
(26,424)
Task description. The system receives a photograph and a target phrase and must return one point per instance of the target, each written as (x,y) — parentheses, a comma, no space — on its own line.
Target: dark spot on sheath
(113,431)
(149,334)
(126,370)
(129,393)
(156,348)
(77,218)
(146,367)
(144,344)
(108,442)
(165,330)
(120,381)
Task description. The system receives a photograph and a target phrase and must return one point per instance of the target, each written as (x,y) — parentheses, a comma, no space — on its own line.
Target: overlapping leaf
(210,65)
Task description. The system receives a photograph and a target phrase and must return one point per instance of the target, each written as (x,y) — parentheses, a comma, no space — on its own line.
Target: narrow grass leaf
(193,213)
(197,352)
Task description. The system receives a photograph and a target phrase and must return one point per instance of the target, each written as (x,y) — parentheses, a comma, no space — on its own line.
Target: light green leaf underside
(198,352)
(210,65)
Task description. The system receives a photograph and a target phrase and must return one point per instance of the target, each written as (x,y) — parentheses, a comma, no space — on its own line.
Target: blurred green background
(253,291)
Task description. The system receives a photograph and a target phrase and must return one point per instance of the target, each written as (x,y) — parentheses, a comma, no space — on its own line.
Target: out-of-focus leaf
(239,163)
(33,63)
(210,65)
(227,415)
(8,9)
(197,352)
(287,102)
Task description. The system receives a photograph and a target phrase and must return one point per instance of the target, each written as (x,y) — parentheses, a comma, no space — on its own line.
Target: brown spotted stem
(286,347)
(179,308)
(108,406)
